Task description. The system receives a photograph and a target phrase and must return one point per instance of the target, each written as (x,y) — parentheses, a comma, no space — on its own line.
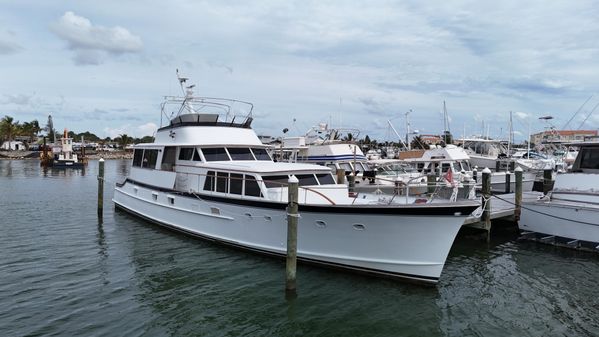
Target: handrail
(259,181)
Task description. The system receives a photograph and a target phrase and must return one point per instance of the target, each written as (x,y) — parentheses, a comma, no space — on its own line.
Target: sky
(105,66)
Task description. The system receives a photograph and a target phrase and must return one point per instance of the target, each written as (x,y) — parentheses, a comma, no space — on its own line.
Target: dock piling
(292,219)
(508,182)
(100,187)
(351,180)
(518,196)
(486,201)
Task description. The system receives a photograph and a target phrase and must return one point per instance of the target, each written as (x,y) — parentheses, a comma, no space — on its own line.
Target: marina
(69,274)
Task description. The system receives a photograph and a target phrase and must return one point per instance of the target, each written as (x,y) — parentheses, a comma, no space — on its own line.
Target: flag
(449,176)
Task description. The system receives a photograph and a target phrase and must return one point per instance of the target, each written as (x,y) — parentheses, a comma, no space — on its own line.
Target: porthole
(359,227)
(320,224)
(267,218)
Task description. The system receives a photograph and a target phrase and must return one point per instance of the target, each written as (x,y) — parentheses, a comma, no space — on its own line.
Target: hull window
(137,157)
(209,183)
(236,183)
(222,182)
(252,188)
(149,158)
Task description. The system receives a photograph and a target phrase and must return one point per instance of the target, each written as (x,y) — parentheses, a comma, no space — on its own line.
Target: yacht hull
(394,243)
(572,220)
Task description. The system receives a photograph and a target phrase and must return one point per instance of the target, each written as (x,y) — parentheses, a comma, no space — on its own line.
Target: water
(63,273)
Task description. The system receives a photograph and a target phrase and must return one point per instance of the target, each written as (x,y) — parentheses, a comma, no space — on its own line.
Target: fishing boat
(571,209)
(208,175)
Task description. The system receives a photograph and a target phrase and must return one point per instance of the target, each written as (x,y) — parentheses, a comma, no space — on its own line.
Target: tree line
(29,133)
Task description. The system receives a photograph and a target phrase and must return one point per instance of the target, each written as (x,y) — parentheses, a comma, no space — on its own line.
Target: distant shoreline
(25,155)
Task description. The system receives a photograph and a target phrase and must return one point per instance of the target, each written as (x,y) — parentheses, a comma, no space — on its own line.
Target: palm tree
(124,140)
(8,127)
(417,143)
(349,137)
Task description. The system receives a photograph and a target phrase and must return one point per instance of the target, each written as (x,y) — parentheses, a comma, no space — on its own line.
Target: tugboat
(62,156)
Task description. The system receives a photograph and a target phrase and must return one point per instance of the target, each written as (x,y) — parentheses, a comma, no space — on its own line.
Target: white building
(13,145)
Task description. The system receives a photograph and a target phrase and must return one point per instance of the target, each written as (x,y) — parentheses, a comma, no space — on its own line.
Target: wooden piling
(340,176)
(547,180)
(518,197)
(508,182)
(475,174)
(100,187)
(486,201)
(292,217)
(431,183)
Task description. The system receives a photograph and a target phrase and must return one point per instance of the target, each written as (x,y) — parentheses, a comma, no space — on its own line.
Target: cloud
(139,131)
(18,99)
(91,43)
(7,45)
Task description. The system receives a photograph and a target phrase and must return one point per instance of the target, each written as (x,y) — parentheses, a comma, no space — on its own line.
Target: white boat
(571,209)
(207,174)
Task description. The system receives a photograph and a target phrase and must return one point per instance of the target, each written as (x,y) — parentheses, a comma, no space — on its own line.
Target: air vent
(214,210)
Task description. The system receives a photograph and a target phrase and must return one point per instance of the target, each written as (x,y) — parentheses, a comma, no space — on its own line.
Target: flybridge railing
(228,110)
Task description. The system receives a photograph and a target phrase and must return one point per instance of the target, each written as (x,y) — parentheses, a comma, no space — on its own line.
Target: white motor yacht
(208,175)
(571,209)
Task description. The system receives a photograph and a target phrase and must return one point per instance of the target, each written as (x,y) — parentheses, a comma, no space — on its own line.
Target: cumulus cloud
(91,43)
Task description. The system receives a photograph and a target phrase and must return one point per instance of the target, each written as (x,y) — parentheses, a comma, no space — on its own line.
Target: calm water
(62,273)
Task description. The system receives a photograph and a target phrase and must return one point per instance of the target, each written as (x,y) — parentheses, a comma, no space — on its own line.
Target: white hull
(572,220)
(405,246)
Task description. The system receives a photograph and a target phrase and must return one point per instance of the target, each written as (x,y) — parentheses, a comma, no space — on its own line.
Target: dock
(503,207)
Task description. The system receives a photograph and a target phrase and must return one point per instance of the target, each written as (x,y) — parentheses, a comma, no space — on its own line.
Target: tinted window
(240,153)
(306,179)
(275,181)
(215,154)
(589,158)
(251,187)
(236,183)
(222,182)
(196,156)
(209,183)
(261,154)
(345,166)
(137,157)
(149,158)
(325,179)
(186,153)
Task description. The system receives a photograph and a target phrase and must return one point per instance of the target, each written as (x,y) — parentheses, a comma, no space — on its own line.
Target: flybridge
(190,110)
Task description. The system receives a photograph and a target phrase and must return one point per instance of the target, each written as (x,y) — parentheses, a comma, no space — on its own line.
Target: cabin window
(215,154)
(306,179)
(240,153)
(261,154)
(332,166)
(445,167)
(196,155)
(236,183)
(275,181)
(345,166)
(589,158)
(186,153)
(252,188)
(168,158)
(209,183)
(137,157)
(325,179)
(149,158)
(222,182)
